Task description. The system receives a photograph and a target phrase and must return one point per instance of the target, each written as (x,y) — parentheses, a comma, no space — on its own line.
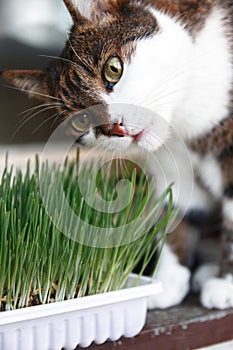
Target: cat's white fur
(215,292)
(155,79)
(175,278)
(204,273)
(84,7)
(228,209)
(186,83)
(207,96)
(218,293)
(211,175)
(178,165)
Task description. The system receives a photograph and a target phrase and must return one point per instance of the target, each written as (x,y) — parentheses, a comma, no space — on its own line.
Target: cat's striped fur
(219,143)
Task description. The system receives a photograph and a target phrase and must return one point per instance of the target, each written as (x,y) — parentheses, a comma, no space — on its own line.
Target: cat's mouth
(137,137)
(119,130)
(80,126)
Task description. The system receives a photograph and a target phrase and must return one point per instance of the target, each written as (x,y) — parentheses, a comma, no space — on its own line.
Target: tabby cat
(174,58)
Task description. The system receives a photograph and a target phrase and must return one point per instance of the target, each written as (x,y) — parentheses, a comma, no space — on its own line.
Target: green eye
(81,122)
(113,70)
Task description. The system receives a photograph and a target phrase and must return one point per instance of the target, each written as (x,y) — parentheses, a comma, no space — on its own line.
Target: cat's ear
(80,10)
(103,7)
(92,9)
(33,82)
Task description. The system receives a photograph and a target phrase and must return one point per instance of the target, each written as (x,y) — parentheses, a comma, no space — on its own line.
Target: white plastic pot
(80,321)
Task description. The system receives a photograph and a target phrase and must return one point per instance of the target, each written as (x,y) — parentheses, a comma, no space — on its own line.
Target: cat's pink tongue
(138,136)
(118,130)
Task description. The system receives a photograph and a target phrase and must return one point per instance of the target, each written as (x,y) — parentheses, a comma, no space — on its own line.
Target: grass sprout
(39,264)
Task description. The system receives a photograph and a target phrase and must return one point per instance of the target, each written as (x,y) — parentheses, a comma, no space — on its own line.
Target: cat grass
(39,264)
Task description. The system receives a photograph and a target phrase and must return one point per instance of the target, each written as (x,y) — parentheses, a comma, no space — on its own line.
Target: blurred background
(28,29)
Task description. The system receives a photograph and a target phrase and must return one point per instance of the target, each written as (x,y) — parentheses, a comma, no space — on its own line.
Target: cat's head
(120,57)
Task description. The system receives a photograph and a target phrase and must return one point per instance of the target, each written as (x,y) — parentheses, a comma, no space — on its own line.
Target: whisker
(109,165)
(84,62)
(197,85)
(36,113)
(27,120)
(161,83)
(121,162)
(156,94)
(177,73)
(158,98)
(34,92)
(126,166)
(61,59)
(117,165)
(40,106)
(82,59)
(56,115)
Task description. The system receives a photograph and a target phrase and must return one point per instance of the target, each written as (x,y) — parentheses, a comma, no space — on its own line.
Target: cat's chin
(149,143)
(108,143)
(145,143)
(115,143)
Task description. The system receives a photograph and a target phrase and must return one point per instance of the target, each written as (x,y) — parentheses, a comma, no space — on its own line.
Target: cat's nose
(118,130)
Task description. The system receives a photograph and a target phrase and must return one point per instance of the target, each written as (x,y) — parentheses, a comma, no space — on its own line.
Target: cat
(174,58)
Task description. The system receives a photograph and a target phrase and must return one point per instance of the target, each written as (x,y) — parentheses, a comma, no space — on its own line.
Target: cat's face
(109,82)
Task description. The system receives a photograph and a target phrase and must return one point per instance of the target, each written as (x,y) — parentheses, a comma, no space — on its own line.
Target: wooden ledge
(184,327)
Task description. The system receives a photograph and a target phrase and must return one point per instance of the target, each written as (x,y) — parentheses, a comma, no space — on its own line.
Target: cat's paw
(176,285)
(204,273)
(218,293)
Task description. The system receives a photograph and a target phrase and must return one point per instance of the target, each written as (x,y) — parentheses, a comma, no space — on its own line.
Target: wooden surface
(188,326)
